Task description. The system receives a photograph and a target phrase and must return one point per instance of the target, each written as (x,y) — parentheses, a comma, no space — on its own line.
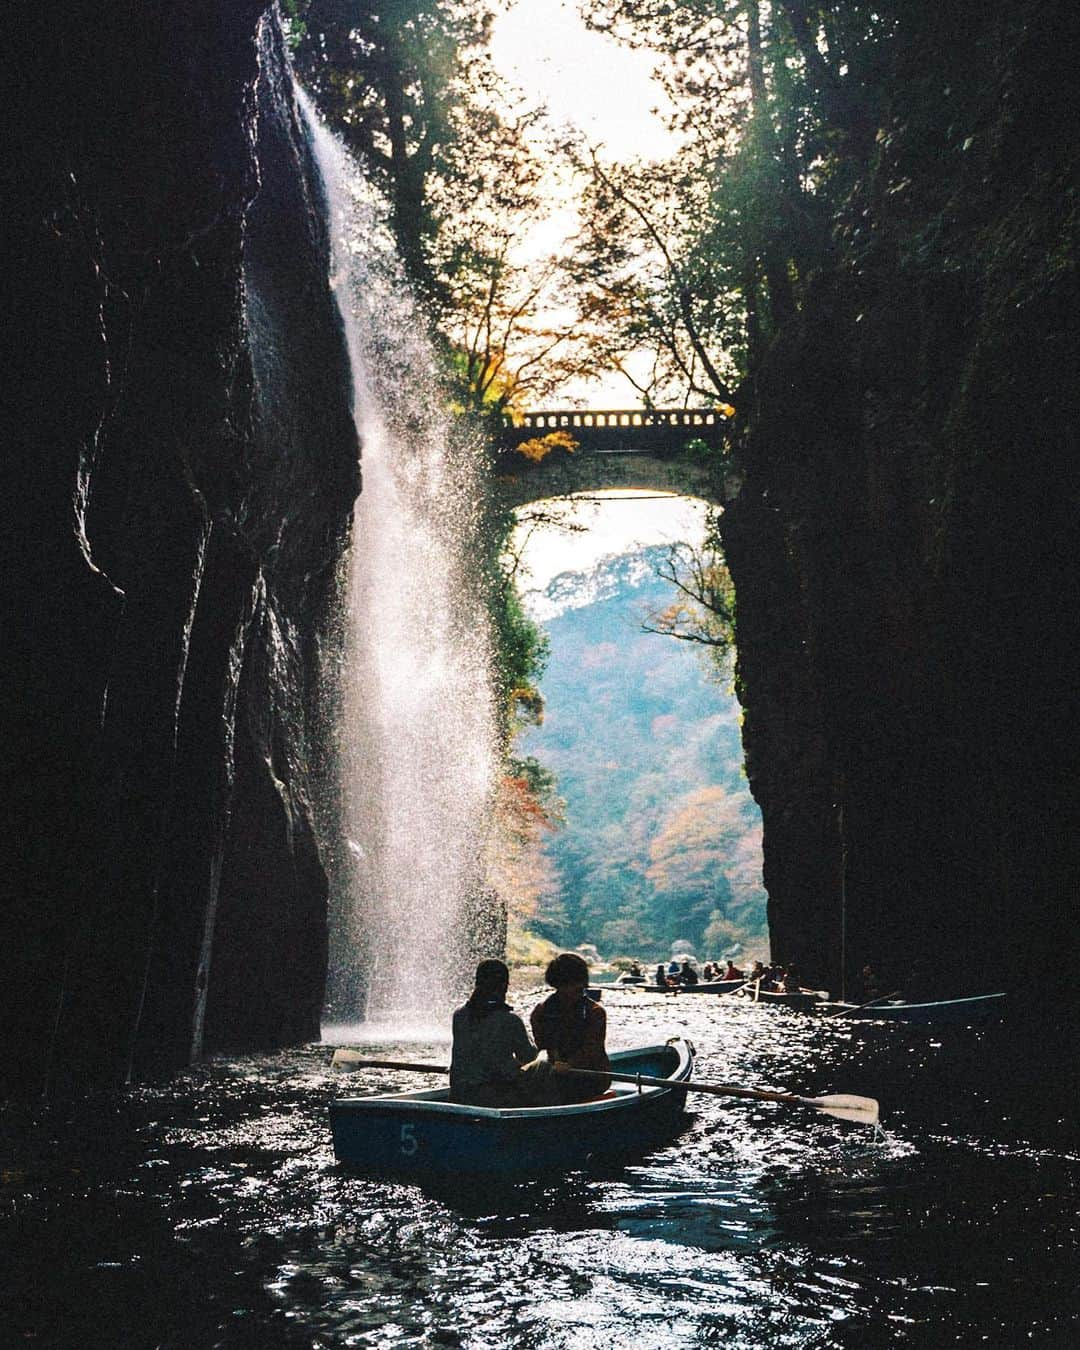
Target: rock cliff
(179,470)
(905,546)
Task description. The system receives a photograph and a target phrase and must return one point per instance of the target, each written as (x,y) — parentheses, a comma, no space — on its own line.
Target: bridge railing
(552,419)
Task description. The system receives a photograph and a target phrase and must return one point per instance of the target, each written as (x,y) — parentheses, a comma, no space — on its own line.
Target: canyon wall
(905,545)
(179,469)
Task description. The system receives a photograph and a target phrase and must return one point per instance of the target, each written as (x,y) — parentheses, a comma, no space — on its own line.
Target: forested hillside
(661,839)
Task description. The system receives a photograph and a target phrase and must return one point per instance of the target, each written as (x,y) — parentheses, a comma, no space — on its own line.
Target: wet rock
(178,479)
(905,545)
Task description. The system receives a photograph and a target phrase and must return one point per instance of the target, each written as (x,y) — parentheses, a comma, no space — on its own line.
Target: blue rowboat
(423,1134)
(948,1011)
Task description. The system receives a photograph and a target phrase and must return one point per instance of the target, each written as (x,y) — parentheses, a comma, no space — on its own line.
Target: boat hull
(980,1008)
(799,1001)
(702,987)
(712,987)
(422,1134)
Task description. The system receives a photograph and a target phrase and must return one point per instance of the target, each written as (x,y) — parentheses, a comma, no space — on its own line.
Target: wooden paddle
(843,1106)
(881,998)
(862,1110)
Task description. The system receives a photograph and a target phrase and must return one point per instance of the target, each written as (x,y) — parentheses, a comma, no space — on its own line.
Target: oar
(881,998)
(353,1059)
(862,1110)
(843,1106)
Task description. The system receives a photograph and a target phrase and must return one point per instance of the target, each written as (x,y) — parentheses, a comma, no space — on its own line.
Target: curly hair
(567,968)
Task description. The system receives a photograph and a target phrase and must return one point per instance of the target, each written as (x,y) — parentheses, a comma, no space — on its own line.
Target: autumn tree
(459,156)
(528,809)
(702,611)
(391,79)
(648,286)
(702,259)
(706,860)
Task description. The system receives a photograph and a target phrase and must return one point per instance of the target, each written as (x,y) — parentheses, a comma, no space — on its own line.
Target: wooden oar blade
(345,1060)
(862,1110)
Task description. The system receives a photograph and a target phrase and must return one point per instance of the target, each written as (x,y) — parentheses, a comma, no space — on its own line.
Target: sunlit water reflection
(211,1212)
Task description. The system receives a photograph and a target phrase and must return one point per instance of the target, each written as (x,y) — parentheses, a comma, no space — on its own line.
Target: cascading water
(416,734)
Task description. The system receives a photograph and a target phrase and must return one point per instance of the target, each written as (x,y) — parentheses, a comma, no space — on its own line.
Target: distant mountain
(662,839)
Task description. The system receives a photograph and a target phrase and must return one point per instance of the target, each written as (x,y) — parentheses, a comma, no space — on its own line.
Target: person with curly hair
(572,1028)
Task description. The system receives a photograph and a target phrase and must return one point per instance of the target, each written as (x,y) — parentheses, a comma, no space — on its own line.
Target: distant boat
(949,1011)
(702,987)
(798,1000)
(424,1134)
(712,987)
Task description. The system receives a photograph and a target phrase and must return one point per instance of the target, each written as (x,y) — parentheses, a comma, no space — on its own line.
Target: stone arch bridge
(658,449)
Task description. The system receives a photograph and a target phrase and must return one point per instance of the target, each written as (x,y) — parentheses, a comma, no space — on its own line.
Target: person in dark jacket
(687,974)
(490,1044)
(572,1028)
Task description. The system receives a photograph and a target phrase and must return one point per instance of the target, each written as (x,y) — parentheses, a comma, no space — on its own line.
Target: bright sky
(585,78)
(590,82)
(617,522)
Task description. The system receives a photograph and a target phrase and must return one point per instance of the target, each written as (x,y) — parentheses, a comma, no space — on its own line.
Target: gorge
(179,476)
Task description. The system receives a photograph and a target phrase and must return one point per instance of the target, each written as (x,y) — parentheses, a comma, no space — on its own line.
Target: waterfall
(416,734)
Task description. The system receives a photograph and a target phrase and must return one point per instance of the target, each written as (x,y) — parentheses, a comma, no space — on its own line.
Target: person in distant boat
(733,972)
(871,985)
(661,974)
(572,1029)
(790,982)
(757,972)
(634,971)
(490,1044)
(708,972)
(687,974)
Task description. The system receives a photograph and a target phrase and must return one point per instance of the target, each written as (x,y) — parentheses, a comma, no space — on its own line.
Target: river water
(209,1211)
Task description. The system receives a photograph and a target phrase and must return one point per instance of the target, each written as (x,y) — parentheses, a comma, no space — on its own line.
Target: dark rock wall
(905,546)
(179,467)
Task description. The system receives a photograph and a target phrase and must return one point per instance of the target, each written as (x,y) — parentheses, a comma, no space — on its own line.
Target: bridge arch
(658,450)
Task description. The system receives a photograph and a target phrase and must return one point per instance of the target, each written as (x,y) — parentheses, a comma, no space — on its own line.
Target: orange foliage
(527,705)
(518,867)
(539,446)
(703,835)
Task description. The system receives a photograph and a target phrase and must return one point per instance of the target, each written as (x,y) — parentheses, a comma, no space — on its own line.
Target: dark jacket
(574,1035)
(490,1045)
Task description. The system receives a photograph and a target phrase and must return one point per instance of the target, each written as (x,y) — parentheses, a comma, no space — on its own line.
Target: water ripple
(209,1211)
